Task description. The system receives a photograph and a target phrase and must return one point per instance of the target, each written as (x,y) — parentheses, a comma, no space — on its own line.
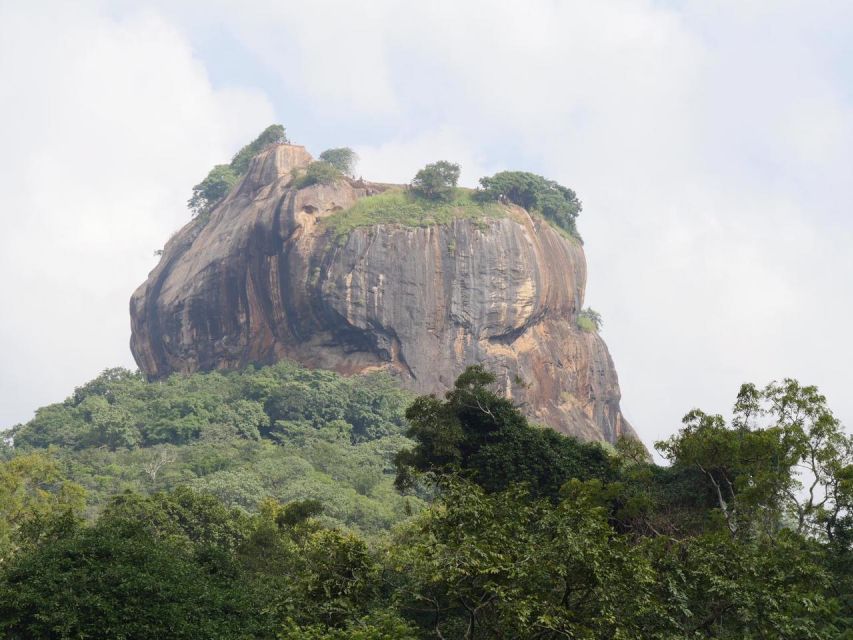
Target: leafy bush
(273,134)
(318,172)
(342,158)
(557,203)
(212,189)
(589,320)
(436,181)
(222,178)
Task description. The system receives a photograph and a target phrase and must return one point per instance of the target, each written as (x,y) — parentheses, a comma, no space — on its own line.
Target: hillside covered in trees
(259,505)
(282,432)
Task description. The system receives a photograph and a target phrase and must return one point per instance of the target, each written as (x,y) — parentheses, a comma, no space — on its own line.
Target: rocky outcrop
(264,279)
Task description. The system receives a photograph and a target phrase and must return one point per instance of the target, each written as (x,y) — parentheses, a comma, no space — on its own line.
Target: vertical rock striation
(264,279)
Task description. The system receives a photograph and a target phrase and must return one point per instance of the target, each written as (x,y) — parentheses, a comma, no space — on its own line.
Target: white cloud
(398,160)
(331,53)
(106,123)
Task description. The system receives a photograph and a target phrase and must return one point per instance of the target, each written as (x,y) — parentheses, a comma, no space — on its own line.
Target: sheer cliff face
(263,280)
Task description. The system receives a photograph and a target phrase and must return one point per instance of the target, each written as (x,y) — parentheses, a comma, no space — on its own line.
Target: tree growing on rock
(212,189)
(590,320)
(222,178)
(535,193)
(273,134)
(436,181)
(318,172)
(343,159)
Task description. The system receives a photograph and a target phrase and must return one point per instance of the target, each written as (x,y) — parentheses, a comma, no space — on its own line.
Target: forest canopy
(504,529)
(282,431)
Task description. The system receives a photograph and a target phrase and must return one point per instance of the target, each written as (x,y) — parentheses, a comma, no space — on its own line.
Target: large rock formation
(264,279)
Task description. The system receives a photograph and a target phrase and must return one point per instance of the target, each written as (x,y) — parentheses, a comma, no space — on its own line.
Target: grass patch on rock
(399,206)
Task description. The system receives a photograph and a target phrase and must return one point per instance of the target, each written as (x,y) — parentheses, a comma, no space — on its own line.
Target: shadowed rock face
(263,280)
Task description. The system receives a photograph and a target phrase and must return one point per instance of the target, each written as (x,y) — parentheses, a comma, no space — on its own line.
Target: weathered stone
(263,280)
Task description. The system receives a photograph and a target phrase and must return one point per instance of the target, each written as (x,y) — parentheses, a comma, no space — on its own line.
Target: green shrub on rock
(589,320)
(557,203)
(318,172)
(436,181)
(342,158)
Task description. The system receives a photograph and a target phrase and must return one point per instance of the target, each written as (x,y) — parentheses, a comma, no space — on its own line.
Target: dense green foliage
(220,180)
(780,437)
(318,172)
(273,134)
(280,431)
(555,202)
(33,494)
(341,158)
(589,320)
(436,181)
(397,206)
(484,437)
(215,186)
(529,536)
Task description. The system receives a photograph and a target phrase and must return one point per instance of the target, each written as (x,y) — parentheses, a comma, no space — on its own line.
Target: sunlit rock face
(264,280)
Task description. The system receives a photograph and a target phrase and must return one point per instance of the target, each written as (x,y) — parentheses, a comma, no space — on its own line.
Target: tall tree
(784,456)
(481,434)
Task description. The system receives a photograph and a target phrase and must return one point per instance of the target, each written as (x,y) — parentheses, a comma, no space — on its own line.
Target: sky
(710,142)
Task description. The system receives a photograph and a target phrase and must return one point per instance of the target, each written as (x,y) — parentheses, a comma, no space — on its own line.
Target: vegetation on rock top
(318,172)
(432,198)
(436,181)
(401,206)
(222,178)
(343,159)
(556,203)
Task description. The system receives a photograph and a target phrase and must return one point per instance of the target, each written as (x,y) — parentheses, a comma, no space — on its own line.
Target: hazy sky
(711,144)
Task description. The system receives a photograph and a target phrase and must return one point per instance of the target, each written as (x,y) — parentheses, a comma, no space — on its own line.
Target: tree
(34,497)
(481,434)
(111,425)
(342,158)
(714,586)
(273,134)
(282,431)
(318,172)
(500,565)
(192,519)
(211,190)
(222,178)
(436,181)
(119,580)
(159,457)
(535,193)
(784,455)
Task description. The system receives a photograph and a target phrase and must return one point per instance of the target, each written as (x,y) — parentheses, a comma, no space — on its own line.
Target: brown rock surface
(263,280)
